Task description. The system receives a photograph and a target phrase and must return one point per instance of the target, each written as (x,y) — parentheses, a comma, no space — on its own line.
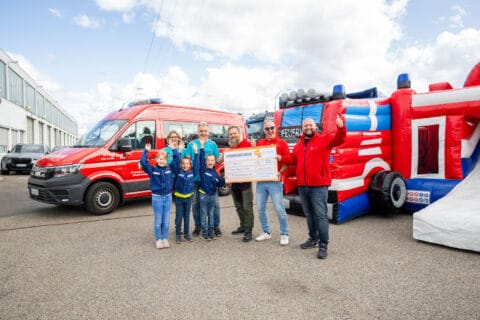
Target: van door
(136,181)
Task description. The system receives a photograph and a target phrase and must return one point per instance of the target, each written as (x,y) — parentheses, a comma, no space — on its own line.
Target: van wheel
(225,190)
(102,198)
(388,192)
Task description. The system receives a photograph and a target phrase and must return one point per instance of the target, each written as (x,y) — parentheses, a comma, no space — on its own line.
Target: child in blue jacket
(209,181)
(161,184)
(184,189)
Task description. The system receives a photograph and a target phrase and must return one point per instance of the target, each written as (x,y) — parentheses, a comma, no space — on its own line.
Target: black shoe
(196,231)
(240,230)
(247,236)
(310,243)
(322,251)
(217,231)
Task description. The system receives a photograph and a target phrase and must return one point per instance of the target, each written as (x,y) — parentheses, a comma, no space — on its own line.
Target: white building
(28,113)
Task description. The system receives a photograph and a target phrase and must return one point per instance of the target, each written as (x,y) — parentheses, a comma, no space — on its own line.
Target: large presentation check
(251,164)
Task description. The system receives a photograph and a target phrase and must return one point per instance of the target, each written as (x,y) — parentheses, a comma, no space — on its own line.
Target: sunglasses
(269,128)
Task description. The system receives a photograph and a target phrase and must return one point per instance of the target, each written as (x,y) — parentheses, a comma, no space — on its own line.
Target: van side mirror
(124,144)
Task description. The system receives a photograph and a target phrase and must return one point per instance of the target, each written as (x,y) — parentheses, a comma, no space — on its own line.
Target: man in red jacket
(274,189)
(311,154)
(242,191)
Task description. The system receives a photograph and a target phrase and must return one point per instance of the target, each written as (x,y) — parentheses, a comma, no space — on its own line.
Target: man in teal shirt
(210,147)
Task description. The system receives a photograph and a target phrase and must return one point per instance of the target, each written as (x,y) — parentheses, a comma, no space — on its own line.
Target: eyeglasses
(269,128)
(173,137)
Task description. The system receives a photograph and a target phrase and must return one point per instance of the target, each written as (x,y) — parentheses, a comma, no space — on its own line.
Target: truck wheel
(102,198)
(388,192)
(5,172)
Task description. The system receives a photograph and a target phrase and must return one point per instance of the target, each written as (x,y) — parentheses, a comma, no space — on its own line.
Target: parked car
(22,157)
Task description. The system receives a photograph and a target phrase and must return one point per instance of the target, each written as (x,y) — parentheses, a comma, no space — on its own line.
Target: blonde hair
(161,153)
(173,132)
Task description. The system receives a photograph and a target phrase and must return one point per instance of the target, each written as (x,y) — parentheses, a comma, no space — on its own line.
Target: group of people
(190,172)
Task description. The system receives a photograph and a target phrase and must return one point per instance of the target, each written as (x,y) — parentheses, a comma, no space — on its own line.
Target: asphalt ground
(61,263)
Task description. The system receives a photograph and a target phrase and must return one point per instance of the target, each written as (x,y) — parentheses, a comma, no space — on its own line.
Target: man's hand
(339,121)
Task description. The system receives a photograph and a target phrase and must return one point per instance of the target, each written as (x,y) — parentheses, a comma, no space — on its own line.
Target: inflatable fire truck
(404,151)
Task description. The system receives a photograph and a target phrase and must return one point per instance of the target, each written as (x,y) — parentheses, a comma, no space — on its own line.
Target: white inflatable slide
(454,220)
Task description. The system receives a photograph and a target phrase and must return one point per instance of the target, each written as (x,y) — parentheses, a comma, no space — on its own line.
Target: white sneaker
(159,244)
(263,236)
(283,240)
(165,243)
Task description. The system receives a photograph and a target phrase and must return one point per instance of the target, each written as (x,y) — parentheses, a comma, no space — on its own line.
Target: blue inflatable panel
(294,116)
(353,207)
(368,93)
(366,110)
(368,123)
(469,163)
(426,191)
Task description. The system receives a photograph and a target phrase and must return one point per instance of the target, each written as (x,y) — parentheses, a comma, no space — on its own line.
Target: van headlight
(66,170)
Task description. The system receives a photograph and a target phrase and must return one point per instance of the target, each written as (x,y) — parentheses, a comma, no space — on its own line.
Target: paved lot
(61,263)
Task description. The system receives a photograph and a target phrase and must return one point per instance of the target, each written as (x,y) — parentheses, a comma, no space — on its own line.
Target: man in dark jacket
(242,192)
(311,154)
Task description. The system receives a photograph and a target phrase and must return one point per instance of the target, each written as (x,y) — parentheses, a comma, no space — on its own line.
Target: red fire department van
(102,169)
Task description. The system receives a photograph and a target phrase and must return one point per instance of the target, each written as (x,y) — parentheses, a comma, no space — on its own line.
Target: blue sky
(91,56)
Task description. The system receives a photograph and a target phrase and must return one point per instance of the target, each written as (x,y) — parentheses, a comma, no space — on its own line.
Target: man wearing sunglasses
(274,189)
(311,155)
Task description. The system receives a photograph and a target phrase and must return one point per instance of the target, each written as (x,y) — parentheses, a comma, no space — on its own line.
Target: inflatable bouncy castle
(404,151)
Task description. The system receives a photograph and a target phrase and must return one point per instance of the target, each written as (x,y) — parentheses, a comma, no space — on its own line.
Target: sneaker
(310,243)
(284,240)
(212,236)
(188,238)
(322,251)
(264,236)
(247,236)
(166,244)
(178,238)
(217,231)
(205,237)
(196,231)
(159,244)
(239,230)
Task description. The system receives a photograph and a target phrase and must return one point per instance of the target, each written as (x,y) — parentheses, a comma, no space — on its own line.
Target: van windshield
(99,135)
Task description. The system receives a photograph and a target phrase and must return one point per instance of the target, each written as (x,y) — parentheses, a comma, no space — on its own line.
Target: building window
(16,88)
(30,97)
(40,105)
(3,81)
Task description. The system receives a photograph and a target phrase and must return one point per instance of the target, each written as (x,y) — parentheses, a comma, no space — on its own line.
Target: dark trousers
(243,199)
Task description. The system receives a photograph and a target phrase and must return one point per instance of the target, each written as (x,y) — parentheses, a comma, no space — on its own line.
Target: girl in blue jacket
(161,184)
(209,181)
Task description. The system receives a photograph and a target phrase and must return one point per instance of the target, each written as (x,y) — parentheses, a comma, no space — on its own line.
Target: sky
(237,55)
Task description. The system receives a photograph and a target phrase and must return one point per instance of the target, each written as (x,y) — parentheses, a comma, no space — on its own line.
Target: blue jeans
(275,190)
(182,211)
(196,207)
(161,215)
(314,205)
(207,209)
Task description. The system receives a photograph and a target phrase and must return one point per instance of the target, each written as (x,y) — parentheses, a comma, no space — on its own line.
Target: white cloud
(128,17)
(55,12)
(87,22)
(203,55)
(117,5)
(456,20)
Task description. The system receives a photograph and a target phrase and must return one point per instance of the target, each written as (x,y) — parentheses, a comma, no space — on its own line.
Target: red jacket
(282,150)
(313,159)
(243,144)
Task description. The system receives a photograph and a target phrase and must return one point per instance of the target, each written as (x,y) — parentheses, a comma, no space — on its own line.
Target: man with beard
(242,192)
(311,154)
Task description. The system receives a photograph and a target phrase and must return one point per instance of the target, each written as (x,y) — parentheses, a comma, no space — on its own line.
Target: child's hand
(148,146)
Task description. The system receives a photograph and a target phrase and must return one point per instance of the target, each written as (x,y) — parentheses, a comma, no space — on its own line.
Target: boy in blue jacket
(209,181)
(161,184)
